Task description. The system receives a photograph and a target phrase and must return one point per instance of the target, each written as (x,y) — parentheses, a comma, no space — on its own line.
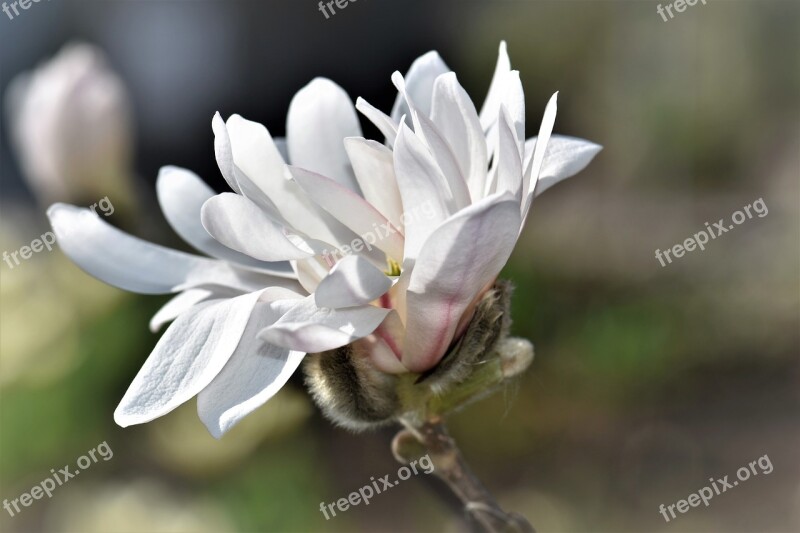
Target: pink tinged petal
(178,305)
(491,106)
(353,281)
(224,153)
(311,329)
(188,356)
(565,157)
(461,258)
(254,374)
(383,122)
(534,167)
(353,211)
(181,194)
(321,115)
(421,183)
(443,154)
(419,84)
(509,164)
(373,165)
(455,116)
(238,223)
(387,344)
(122,260)
(381,355)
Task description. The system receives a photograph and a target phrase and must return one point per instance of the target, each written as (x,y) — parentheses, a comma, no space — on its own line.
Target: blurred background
(648,380)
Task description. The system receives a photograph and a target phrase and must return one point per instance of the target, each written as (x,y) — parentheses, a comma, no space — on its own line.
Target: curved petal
(509,165)
(122,260)
(448,163)
(254,373)
(177,305)
(239,224)
(533,170)
(260,161)
(321,115)
(459,259)
(373,165)
(421,183)
(188,356)
(353,211)
(514,104)
(491,106)
(312,270)
(455,116)
(419,84)
(383,122)
(223,152)
(565,157)
(353,281)
(311,329)
(181,194)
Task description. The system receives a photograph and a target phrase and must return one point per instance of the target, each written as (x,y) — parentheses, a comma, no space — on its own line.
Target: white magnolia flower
(403,289)
(71,126)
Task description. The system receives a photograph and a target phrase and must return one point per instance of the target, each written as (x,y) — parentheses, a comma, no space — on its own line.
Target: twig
(450,466)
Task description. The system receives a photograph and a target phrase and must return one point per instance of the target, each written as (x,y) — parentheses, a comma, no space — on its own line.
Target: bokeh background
(648,380)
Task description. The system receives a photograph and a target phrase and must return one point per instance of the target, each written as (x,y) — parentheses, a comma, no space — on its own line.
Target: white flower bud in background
(71,127)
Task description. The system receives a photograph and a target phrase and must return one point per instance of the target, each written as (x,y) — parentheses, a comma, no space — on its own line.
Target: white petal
(353,211)
(455,116)
(255,373)
(419,84)
(177,305)
(353,281)
(514,102)
(373,165)
(258,158)
(421,183)
(458,261)
(321,115)
(283,148)
(383,122)
(188,356)
(313,270)
(181,194)
(448,163)
(565,157)
(239,224)
(533,170)
(120,259)
(497,89)
(222,149)
(311,329)
(509,165)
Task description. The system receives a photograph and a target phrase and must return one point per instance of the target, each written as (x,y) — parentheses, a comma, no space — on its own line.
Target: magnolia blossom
(71,126)
(403,290)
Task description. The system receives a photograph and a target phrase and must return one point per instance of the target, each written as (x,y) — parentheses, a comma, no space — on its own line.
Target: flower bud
(354,393)
(71,127)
